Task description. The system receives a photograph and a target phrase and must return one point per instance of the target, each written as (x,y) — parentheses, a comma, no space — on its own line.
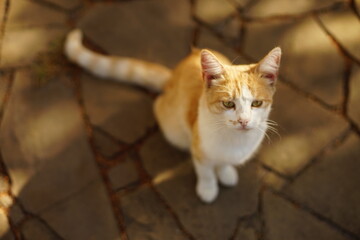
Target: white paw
(206,191)
(227,175)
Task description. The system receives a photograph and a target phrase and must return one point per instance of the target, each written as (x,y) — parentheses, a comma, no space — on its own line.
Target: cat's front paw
(207,192)
(227,175)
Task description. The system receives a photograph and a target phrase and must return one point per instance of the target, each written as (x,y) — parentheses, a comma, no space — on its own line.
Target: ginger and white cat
(216,110)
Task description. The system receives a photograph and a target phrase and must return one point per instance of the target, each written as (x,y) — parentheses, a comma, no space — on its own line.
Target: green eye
(256,103)
(229,104)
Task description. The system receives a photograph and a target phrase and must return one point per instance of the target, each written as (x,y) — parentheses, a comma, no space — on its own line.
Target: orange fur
(192,110)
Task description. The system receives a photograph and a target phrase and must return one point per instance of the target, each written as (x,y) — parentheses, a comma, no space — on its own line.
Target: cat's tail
(150,75)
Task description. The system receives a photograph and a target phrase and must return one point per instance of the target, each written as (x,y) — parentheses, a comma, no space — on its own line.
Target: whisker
(274,130)
(264,132)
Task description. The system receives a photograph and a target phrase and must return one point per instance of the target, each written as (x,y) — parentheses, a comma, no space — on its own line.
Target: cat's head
(240,96)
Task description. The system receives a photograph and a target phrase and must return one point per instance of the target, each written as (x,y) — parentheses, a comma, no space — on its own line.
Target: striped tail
(150,75)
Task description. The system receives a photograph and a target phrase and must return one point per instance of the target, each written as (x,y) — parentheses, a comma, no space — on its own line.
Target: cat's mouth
(242,128)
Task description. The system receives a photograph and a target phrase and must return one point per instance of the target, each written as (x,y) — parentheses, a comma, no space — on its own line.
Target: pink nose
(243,122)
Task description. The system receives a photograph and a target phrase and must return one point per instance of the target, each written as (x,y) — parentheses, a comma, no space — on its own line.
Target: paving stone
(158,30)
(246,233)
(121,110)
(4,226)
(16,214)
(66,4)
(345,27)
(272,180)
(261,37)
(2,9)
(85,215)
(123,174)
(213,11)
(174,177)
(35,229)
(108,147)
(147,218)
(354,98)
(313,64)
(208,40)
(331,183)
(198,217)
(265,8)
(44,144)
(25,14)
(22,47)
(158,156)
(305,128)
(3,87)
(287,221)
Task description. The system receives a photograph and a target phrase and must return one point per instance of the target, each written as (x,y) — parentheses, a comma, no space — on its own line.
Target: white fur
(227,175)
(102,66)
(121,68)
(224,145)
(84,58)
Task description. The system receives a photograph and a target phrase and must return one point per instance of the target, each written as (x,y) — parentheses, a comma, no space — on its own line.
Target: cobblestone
(47,146)
(286,221)
(4,226)
(64,4)
(34,229)
(83,158)
(282,7)
(160,18)
(111,107)
(345,26)
(213,11)
(314,64)
(354,111)
(21,47)
(147,218)
(106,146)
(124,174)
(35,15)
(84,215)
(301,136)
(328,184)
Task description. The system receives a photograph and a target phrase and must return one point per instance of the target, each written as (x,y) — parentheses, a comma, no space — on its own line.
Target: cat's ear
(269,66)
(211,67)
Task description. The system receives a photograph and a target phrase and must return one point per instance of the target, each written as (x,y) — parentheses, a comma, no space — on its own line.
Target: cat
(216,110)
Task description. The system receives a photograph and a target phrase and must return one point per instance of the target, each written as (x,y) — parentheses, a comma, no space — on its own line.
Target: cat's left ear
(212,69)
(269,66)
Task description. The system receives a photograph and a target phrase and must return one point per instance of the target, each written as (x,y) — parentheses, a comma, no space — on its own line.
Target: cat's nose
(243,122)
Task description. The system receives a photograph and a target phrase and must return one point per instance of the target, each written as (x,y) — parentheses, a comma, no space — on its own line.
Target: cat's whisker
(265,133)
(232,62)
(274,130)
(272,123)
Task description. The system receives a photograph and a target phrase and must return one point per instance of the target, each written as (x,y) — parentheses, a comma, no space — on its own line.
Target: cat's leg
(206,188)
(227,175)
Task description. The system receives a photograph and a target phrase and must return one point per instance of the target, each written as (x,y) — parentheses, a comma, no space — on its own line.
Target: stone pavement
(83,158)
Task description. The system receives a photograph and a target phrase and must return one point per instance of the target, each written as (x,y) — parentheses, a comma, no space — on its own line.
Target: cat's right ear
(269,66)
(211,67)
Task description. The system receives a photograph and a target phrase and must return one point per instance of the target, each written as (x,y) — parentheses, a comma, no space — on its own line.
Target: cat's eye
(229,104)
(256,103)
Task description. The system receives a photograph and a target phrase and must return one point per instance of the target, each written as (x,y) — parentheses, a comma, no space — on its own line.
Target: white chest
(229,146)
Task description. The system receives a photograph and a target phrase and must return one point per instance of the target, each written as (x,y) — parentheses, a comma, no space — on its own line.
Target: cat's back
(176,109)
